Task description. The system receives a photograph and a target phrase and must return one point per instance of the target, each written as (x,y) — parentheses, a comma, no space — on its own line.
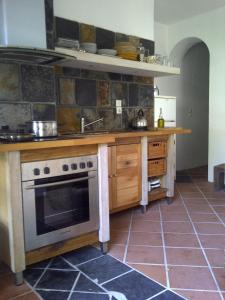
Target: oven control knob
(82,165)
(90,164)
(73,166)
(36,172)
(46,170)
(65,168)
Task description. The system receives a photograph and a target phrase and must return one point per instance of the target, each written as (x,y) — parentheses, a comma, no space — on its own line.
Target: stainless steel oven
(60,199)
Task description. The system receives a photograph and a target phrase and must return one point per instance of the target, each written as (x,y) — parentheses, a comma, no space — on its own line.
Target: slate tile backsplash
(30,92)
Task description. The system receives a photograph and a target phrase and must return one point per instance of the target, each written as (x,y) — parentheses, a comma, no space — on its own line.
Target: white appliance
(168,105)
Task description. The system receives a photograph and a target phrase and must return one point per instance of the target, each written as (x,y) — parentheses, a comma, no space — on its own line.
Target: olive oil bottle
(161,121)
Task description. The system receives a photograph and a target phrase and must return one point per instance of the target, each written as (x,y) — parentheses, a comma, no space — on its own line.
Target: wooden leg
(104,247)
(18,278)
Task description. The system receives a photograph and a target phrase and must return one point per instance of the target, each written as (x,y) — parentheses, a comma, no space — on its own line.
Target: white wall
(126,16)
(24,23)
(209,27)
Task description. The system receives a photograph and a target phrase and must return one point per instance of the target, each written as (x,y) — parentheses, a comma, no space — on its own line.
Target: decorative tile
(67,91)
(95,75)
(87,33)
(143,79)
(103,93)
(86,285)
(57,279)
(105,39)
(111,120)
(120,37)
(68,119)
(32,275)
(134,286)
(71,72)
(119,90)
(146,96)
(9,82)
(49,15)
(53,295)
(89,296)
(82,255)
(38,83)
(128,115)
(103,269)
(148,44)
(86,92)
(59,263)
(44,112)
(89,115)
(168,295)
(114,76)
(128,78)
(66,28)
(133,94)
(14,114)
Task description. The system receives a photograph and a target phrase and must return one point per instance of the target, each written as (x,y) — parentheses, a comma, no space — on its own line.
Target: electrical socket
(118,103)
(119,110)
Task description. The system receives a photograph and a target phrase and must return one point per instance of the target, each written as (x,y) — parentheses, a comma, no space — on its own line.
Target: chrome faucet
(83,125)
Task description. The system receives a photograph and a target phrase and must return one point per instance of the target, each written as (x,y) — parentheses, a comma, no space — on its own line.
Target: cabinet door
(128,175)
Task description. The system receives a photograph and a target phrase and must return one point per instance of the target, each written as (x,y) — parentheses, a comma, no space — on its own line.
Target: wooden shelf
(157,194)
(114,64)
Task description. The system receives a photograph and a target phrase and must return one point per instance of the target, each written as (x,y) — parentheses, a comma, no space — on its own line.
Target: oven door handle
(30,187)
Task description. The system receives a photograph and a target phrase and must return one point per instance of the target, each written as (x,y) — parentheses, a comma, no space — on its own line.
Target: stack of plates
(126,50)
(107,52)
(89,47)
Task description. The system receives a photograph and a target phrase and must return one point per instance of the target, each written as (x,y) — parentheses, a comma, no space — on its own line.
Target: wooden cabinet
(124,176)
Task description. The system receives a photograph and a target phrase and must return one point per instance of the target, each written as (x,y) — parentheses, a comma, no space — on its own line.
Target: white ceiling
(172,11)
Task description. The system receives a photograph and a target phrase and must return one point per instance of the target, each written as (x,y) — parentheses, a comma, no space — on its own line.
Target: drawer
(157,149)
(156,167)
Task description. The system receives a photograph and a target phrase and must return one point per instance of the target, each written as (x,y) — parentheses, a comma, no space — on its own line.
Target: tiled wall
(45,93)
(30,92)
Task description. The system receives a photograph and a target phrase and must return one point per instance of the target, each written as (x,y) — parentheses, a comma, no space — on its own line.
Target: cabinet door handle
(110,176)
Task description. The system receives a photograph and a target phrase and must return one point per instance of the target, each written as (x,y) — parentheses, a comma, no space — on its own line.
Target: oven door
(59,208)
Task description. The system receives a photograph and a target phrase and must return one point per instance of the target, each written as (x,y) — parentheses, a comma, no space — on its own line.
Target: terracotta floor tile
(195,195)
(210,228)
(191,278)
(216,258)
(154,206)
(219,209)
(216,201)
(150,215)
(29,296)
(222,216)
(170,216)
(194,295)
(145,226)
(174,209)
(181,240)
(199,208)
(144,254)
(118,237)
(191,257)
(202,217)
(220,277)
(120,225)
(143,238)
(117,251)
(178,227)
(8,289)
(212,241)
(156,273)
(195,201)
(214,195)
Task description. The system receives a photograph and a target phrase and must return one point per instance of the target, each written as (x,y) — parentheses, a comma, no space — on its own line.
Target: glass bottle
(161,121)
(141,52)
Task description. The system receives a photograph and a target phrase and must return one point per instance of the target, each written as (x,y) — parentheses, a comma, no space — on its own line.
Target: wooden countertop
(104,138)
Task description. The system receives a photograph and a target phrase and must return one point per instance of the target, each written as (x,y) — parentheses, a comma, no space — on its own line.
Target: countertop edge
(89,140)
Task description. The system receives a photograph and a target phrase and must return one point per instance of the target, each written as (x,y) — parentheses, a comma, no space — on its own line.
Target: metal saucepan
(44,128)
